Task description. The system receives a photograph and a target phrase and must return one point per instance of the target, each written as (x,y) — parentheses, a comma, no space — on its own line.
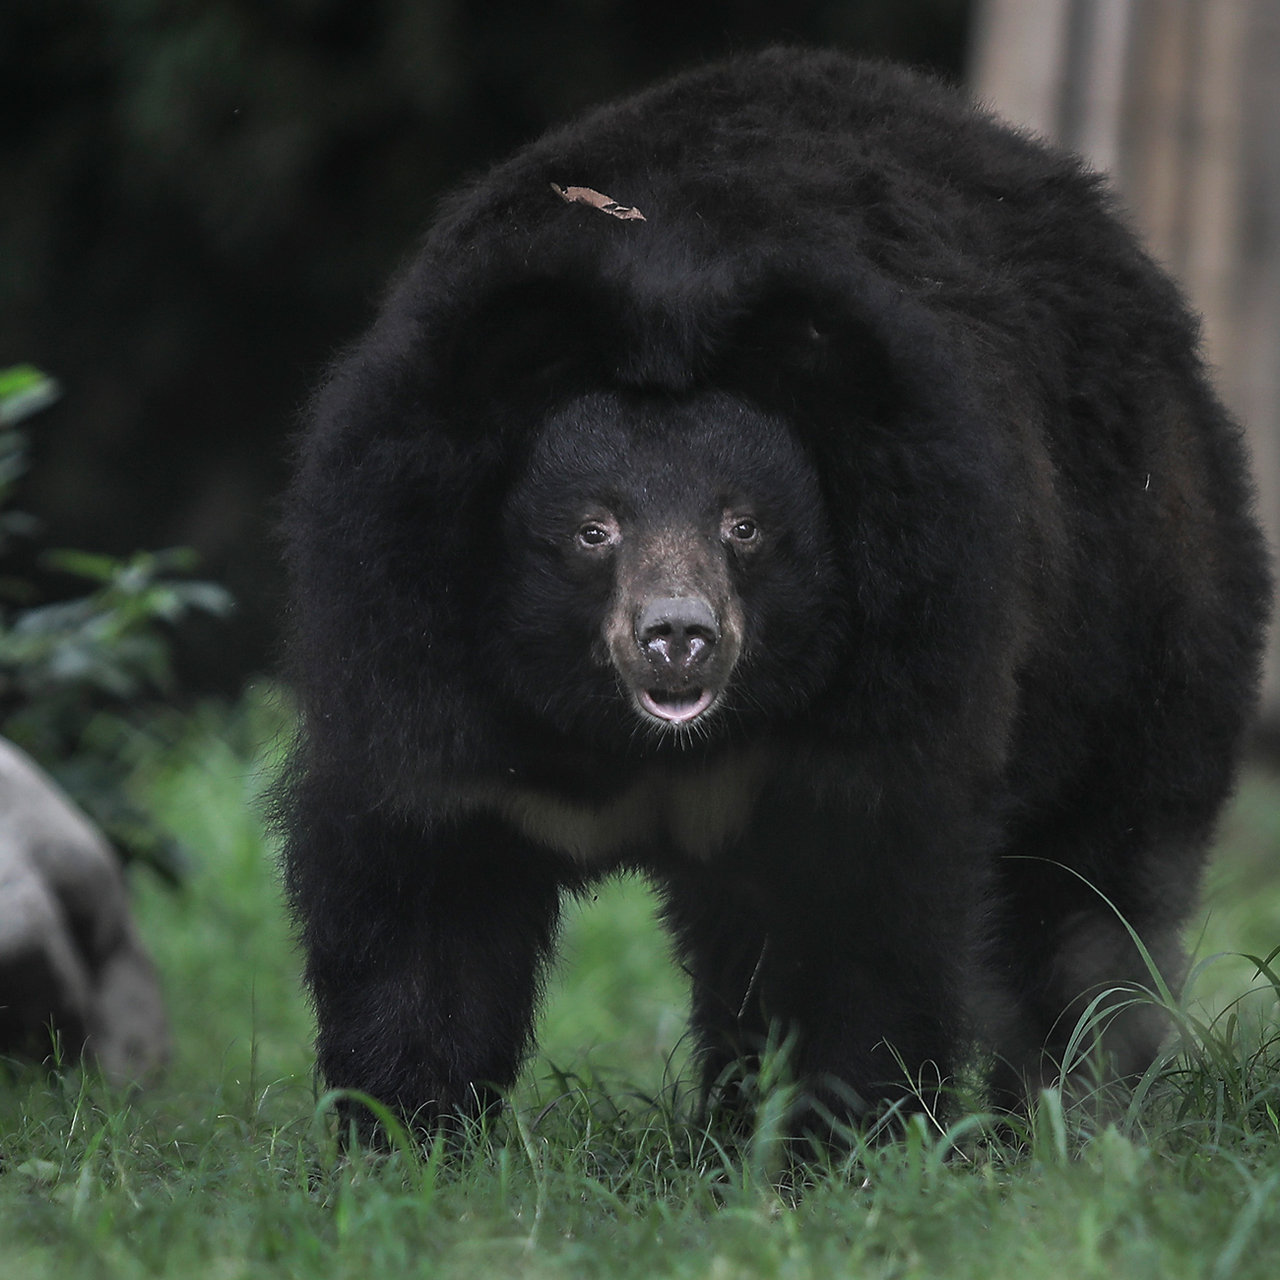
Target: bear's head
(606,513)
(668,569)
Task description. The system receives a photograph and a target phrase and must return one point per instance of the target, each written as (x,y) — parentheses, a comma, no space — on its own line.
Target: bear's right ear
(525,345)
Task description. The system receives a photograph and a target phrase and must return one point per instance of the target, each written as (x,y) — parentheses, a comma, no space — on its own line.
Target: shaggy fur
(994,653)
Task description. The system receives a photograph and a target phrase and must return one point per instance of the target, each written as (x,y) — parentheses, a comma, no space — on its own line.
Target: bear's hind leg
(1066,954)
(722,940)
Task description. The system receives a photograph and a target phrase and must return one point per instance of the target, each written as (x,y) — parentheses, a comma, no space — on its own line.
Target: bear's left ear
(524,346)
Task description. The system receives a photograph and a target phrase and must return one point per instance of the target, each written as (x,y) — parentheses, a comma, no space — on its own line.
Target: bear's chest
(697,811)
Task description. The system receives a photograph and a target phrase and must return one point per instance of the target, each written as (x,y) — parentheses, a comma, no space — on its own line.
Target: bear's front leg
(425,953)
(845,932)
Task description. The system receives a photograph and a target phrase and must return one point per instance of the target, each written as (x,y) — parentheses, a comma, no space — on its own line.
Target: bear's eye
(744,530)
(594,535)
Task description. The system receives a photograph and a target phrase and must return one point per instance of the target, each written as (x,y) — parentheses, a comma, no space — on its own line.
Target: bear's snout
(676,634)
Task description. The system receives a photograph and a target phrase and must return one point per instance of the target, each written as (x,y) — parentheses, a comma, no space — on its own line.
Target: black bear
(797,487)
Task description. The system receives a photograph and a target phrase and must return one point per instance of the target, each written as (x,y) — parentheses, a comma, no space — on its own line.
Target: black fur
(1000,638)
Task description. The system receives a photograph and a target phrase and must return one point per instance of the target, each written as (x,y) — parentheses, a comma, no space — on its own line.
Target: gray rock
(70,956)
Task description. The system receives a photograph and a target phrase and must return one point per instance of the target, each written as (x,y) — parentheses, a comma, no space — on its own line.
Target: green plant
(78,676)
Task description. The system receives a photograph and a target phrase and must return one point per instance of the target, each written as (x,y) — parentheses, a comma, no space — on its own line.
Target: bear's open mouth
(677,706)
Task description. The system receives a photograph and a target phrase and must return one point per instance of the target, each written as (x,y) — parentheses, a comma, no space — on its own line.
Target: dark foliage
(889,394)
(79,678)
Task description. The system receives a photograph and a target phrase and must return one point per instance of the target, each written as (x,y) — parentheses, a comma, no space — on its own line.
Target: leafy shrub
(79,677)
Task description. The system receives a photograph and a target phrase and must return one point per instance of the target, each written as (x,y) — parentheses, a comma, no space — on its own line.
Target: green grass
(229,1167)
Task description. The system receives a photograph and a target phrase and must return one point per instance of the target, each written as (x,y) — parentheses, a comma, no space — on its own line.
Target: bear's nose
(677,631)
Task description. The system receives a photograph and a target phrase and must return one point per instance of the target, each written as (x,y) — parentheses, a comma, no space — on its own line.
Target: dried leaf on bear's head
(606,204)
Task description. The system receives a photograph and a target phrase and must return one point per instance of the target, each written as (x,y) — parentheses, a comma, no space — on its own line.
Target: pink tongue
(677,708)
